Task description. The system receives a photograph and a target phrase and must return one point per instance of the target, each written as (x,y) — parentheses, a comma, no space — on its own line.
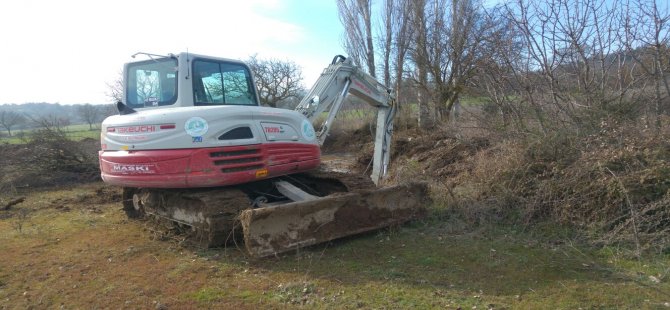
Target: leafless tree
(497,77)
(9,119)
(50,121)
(542,64)
(276,80)
(394,42)
(356,17)
(450,39)
(419,57)
(579,58)
(89,113)
(648,43)
(107,110)
(115,89)
(386,38)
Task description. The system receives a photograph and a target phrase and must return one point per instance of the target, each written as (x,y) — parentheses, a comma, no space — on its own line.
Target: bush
(610,181)
(614,183)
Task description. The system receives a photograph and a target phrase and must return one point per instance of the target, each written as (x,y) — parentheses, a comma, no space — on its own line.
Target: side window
(219,83)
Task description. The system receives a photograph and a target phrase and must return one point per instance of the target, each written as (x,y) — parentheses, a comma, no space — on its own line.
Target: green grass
(474,101)
(74,132)
(208,295)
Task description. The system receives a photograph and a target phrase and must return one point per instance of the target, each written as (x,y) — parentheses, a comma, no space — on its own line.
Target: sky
(68,51)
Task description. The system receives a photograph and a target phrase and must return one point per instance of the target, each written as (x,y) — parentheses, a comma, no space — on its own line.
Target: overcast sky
(66,51)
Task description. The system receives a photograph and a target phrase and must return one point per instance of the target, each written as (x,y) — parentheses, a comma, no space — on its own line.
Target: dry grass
(612,183)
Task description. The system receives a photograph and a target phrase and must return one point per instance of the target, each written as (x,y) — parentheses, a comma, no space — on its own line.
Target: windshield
(222,83)
(151,83)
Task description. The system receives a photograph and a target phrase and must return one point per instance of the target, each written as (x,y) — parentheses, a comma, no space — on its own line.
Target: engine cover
(184,147)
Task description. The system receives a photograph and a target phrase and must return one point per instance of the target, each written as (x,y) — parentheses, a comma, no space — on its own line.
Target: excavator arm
(327,95)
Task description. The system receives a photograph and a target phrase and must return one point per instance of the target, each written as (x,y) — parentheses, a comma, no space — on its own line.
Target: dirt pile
(349,140)
(439,155)
(48,159)
(427,155)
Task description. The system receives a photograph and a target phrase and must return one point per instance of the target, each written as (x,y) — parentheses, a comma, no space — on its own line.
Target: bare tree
(356,17)
(89,114)
(649,45)
(115,89)
(450,39)
(386,38)
(9,119)
(568,60)
(419,49)
(50,121)
(547,65)
(498,76)
(107,110)
(394,41)
(276,80)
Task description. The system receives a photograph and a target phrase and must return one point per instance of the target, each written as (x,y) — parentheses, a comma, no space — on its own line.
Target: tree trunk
(425,121)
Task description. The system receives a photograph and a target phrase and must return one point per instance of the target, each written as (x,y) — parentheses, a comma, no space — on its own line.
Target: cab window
(152,83)
(222,83)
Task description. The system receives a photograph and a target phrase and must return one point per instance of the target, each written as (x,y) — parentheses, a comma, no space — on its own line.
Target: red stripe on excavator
(206,167)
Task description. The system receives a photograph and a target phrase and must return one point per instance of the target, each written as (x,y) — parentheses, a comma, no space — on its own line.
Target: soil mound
(49,161)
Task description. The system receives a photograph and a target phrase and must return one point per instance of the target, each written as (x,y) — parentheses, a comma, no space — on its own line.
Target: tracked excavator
(192,145)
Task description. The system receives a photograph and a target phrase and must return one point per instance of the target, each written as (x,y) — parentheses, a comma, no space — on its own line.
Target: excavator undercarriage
(279,215)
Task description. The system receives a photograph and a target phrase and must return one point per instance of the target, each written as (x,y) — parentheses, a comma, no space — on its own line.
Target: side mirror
(124,109)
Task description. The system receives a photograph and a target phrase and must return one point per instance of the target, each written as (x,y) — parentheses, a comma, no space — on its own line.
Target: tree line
(31,115)
(539,64)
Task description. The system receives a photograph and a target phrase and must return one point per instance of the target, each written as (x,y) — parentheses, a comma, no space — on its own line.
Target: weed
(208,295)
(295,292)
(21,218)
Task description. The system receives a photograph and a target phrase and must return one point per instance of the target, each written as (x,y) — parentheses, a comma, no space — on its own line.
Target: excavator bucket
(275,229)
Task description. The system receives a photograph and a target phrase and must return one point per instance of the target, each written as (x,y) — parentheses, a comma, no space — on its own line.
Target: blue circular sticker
(196,126)
(308,130)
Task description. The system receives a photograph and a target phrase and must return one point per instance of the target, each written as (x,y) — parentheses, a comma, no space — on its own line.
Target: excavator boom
(327,95)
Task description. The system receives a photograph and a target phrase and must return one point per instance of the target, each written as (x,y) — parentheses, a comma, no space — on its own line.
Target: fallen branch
(13,203)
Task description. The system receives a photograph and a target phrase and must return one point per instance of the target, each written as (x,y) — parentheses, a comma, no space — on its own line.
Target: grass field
(74,132)
(74,248)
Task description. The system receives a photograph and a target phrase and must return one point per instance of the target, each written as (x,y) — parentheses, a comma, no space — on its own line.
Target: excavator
(193,146)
